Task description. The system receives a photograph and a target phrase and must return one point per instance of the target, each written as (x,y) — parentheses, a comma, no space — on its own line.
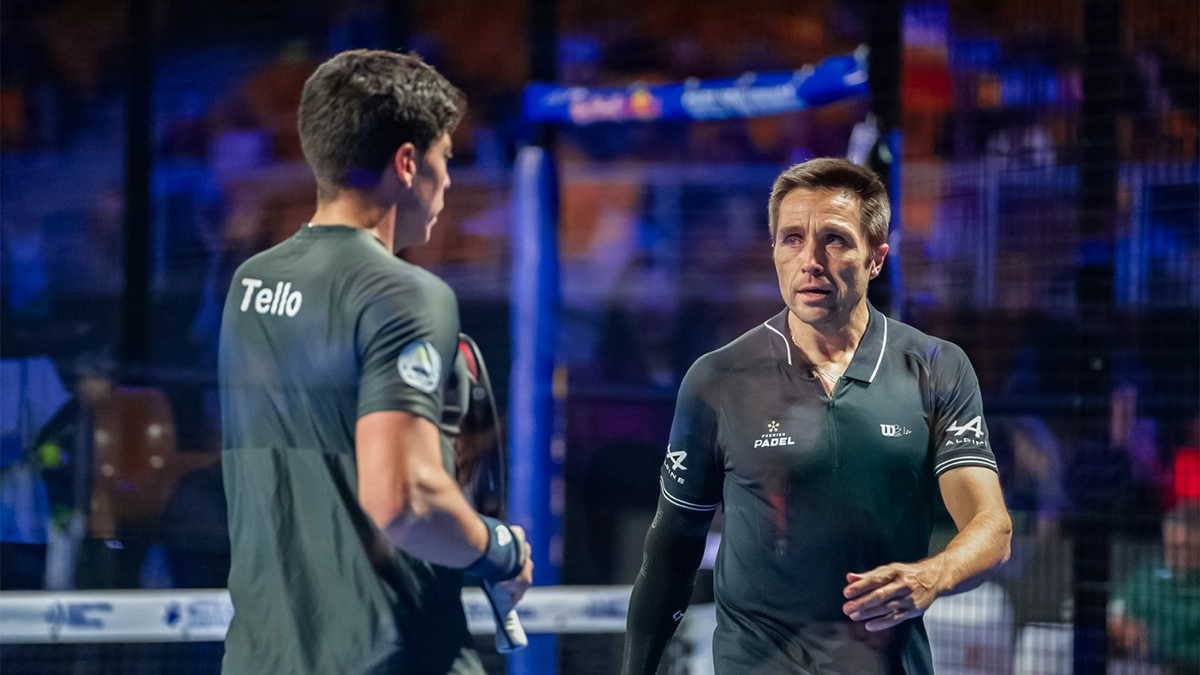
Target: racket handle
(510,635)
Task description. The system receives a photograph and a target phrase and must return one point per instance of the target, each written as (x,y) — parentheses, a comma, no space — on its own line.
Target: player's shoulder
(387,272)
(263,261)
(745,355)
(932,350)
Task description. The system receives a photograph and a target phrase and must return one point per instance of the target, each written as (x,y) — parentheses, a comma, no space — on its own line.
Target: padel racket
(481,462)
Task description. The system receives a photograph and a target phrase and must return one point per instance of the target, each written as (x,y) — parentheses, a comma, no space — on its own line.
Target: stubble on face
(823,258)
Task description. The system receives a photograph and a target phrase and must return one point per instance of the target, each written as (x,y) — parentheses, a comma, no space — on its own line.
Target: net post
(535,306)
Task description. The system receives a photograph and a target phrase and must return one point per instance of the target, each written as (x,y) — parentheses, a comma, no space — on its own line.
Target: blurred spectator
(273,95)
(31,394)
(637,346)
(26,283)
(1120,481)
(1031,472)
(195,531)
(1185,470)
(259,123)
(1156,613)
(1021,143)
(1033,481)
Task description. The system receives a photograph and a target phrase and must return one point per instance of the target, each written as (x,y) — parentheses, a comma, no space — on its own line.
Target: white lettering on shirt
(262,301)
(251,285)
(278,302)
(975,426)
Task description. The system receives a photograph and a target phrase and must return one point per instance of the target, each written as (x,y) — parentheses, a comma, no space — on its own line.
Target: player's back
(315,587)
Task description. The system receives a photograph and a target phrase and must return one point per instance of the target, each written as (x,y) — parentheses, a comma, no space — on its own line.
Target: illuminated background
(1048,222)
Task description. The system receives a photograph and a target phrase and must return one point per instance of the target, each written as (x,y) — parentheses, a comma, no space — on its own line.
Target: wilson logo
(893,430)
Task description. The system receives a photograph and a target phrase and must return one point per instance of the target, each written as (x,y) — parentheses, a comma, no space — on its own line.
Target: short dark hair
(830,173)
(360,106)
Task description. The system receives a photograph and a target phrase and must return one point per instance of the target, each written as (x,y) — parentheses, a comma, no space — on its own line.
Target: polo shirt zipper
(834,441)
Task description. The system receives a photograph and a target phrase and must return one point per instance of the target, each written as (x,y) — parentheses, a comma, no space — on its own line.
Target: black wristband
(504,557)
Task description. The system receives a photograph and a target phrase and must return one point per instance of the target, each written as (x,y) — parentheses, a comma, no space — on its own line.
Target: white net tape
(203,615)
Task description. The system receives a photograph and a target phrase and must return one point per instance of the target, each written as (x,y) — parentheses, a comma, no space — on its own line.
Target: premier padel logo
(420,366)
(893,430)
(774,437)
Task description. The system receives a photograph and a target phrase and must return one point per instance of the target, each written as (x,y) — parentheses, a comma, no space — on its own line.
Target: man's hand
(517,586)
(888,595)
(1130,635)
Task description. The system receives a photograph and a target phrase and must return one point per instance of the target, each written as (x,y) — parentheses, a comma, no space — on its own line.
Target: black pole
(1098,164)
(135,307)
(399,25)
(885,65)
(885,62)
(543,56)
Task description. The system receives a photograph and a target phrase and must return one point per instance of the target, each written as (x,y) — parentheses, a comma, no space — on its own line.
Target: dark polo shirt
(816,486)
(323,329)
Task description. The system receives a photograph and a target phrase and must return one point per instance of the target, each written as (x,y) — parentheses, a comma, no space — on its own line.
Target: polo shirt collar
(867,358)
(869,355)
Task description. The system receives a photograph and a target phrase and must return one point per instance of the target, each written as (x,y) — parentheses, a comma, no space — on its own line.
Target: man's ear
(405,163)
(877,257)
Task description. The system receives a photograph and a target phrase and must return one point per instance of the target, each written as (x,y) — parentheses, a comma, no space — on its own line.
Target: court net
(181,632)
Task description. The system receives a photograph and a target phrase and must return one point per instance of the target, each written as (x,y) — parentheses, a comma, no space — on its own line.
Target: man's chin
(812,315)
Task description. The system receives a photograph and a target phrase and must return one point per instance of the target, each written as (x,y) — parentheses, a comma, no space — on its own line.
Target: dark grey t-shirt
(318,331)
(815,487)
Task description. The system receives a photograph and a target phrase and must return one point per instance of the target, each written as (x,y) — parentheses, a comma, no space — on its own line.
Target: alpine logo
(975,426)
(676,459)
(893,430)
(774,437)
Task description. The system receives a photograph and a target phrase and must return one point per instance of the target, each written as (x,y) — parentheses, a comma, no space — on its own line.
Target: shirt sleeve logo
(420,366)
(676,459)
(975,426)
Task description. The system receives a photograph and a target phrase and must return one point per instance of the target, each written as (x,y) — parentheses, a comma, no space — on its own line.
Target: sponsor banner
(180,616)
(130,616)
(557,609)
(751,95)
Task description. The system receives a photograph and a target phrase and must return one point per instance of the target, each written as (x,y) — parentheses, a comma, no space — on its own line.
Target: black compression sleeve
(674,549)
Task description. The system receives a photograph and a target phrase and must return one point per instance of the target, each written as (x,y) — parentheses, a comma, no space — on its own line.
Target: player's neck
(355,209)
(833,342)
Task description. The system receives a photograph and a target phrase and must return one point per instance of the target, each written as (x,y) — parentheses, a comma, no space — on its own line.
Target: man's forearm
(674,549)
(976,552)
(439,526)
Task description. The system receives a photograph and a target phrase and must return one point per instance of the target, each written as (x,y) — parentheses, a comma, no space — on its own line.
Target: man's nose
(811,260)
